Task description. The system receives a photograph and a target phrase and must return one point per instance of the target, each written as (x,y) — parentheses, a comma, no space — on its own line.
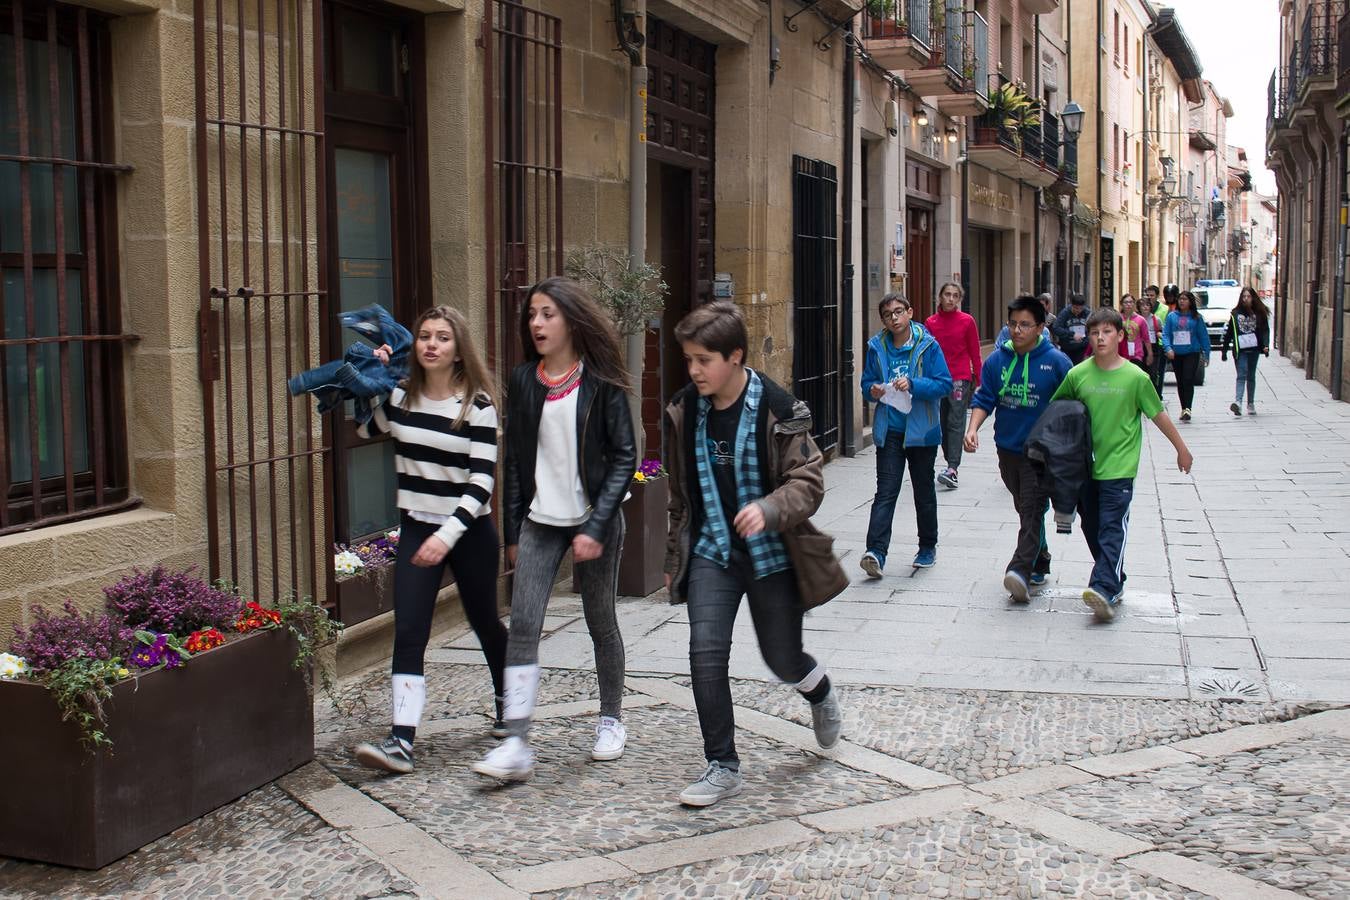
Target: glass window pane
(365,230)
(41,182)
(371,487)
(46,377)
(369,56)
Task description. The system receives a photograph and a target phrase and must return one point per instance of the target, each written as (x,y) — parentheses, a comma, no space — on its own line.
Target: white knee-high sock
(520,689)
(410,698)
(808,684)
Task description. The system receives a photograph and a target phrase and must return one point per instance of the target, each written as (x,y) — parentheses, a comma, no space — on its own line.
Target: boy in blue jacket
(1016,384)
(906,358)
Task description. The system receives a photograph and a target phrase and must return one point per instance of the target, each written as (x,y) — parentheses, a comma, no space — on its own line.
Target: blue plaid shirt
(768,553)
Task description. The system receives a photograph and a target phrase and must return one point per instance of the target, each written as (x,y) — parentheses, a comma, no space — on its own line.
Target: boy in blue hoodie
(1016,384)
(906,358)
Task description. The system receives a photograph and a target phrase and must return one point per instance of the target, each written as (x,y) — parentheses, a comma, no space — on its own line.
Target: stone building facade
(232,176)
(1306,146)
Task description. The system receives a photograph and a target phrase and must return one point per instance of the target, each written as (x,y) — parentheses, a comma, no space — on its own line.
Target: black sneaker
(392,755)
(1234,408)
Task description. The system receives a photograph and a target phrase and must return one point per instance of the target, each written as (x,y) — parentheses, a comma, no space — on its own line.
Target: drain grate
(1229,687)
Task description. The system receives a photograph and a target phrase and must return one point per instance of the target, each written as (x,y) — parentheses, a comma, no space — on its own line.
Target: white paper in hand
(901,400)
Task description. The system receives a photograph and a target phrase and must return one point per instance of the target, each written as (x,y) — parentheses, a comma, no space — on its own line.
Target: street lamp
(1071,116)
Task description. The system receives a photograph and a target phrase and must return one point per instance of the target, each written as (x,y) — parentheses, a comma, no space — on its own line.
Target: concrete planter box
(184,743)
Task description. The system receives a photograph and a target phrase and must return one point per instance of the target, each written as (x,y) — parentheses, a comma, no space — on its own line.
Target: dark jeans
(1246,361)
(538,557)
(1105,509)
(714,599)
(891,460)
(473,560)
(953,416)
(1030,500)
(1187,369)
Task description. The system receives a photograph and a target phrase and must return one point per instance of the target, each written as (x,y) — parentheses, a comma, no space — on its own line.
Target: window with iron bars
(63,452)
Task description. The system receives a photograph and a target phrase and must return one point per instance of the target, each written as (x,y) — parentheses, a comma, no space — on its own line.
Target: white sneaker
(511,760)
(610,736)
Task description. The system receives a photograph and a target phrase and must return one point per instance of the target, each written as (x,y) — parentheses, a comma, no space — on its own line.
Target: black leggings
(473,560)
(1187,368)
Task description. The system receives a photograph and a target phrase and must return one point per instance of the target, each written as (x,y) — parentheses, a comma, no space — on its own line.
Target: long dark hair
(594,337)
(1191,306)
(1258,307)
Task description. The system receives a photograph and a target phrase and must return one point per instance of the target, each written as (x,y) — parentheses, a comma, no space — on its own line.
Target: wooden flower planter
(644,545)
(185,742)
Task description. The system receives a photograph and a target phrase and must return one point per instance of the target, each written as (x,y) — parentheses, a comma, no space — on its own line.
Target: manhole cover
(1229,687)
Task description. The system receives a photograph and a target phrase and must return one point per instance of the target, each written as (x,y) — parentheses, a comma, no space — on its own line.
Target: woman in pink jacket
(959,338)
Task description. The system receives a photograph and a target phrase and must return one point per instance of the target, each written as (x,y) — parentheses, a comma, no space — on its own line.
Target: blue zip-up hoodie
(930,381)
(1020,386)
(1195,325)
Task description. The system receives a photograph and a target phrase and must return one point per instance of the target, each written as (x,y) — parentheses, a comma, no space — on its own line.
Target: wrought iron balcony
(1314,57)
(902,39)
(1343,53)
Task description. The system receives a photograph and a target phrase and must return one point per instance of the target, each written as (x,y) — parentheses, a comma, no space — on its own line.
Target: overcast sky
(1238,45)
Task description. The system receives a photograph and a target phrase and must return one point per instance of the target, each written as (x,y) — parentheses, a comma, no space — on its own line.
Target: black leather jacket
(606,450)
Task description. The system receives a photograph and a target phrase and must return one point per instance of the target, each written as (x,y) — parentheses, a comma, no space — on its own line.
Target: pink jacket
(959,339)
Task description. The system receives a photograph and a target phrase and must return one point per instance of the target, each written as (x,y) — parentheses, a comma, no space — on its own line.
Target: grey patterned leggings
(538,556)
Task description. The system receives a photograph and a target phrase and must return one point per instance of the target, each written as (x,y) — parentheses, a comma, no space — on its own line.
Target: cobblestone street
(1197,746)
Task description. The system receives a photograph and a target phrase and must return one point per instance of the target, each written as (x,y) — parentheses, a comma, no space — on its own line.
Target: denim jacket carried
(359,375)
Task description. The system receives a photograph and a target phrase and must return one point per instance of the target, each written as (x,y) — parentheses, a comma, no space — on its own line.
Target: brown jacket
(790,469)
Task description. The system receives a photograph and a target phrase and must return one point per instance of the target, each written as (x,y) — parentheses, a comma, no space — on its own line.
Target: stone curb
(892,812)
(1203,878)
(1131,762)
(1076,833)
(732,842)
(555,876)
(1033,781)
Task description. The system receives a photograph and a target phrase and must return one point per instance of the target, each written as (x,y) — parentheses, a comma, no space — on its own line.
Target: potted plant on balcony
(175,698)
(1010,111)
(884,22)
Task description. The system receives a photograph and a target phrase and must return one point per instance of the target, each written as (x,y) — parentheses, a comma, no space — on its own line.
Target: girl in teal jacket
(1186,343)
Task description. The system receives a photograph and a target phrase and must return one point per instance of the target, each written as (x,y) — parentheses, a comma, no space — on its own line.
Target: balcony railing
(1070,166)
(978,55)
(1343,52)
(909,19)
(1050,140)
(1315,54)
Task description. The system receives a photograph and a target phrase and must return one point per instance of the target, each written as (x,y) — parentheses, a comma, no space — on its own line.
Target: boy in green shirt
(1115,393)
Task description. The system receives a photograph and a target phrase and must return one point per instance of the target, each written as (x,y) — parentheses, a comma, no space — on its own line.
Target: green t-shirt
(1114,400)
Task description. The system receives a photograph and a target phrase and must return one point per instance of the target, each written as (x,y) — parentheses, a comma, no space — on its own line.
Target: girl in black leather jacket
(570,455)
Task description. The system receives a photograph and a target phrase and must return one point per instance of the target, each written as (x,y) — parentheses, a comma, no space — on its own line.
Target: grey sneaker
(948,478)
(1101,607)
(390,755)
(1016,585)
(826,719)
(716,783)
(870,564)
(1251,409)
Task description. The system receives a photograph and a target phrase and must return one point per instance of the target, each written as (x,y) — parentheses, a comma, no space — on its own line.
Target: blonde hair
(469,373)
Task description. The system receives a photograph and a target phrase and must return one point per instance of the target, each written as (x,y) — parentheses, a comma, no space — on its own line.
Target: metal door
(815,295)
(261,244)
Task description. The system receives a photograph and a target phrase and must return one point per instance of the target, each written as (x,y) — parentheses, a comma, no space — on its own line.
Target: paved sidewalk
(1185,750)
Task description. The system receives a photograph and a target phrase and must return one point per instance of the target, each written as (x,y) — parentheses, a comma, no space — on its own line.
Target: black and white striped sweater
(442,470)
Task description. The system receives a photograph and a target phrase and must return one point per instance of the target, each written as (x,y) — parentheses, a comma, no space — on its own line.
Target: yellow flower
(638,476)
(123,672)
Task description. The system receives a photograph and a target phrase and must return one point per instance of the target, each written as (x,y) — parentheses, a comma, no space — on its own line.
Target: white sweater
(442,470)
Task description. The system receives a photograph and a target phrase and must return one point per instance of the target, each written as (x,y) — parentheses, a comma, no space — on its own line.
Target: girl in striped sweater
(444,424)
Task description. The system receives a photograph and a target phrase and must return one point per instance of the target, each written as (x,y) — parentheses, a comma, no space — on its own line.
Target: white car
(1217,299)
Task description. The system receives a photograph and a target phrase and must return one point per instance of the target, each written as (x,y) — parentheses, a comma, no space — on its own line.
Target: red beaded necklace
(560,387)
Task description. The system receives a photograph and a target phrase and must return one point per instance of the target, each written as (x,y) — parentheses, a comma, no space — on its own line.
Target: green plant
(313,629)
(632,296)
(80,686)
(1013,110)
(881,9)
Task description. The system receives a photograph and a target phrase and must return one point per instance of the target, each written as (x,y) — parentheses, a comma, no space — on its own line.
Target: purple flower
(53,639)
(174,602)
(652,468)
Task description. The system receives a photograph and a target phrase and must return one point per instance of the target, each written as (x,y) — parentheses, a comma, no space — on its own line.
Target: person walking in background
(745,479)
(570,456)
(1138,344)
(1248,336)
(959,338)
(1186,343)
(1048,304)
(1115,394)
(444,424)
(1018,380)
(1071,328)
(905,375)
(1154,310)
